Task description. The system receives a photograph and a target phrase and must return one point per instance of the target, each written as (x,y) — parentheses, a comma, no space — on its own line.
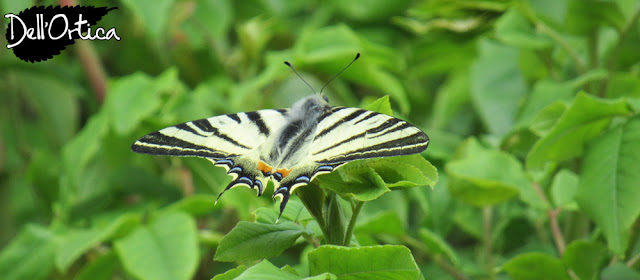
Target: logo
(39,33)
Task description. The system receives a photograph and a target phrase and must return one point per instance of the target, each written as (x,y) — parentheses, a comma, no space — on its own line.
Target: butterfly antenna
(294,71)
(345,68)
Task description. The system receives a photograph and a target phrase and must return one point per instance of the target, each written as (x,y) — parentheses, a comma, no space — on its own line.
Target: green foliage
(531,108)
(162,250)
(255,241)
(368,262)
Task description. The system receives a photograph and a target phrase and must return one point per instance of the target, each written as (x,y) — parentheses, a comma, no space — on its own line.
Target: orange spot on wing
(284,171)
(264,167)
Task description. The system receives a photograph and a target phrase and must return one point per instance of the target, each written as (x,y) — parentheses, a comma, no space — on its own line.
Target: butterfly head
(314,104)
(325,97)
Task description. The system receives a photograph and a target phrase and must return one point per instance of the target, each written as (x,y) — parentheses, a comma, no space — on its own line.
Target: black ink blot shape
(40,50)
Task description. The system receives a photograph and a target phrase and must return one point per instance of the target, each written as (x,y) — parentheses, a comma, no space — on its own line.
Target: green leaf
(487,177)
(608,191)
(295,212)
(165,249)
(381,105)
(370,262)
(544,121)
(574,128)
(586,16)
(76,242)
(619,271)
(15,6)
(195,205)
(382,222)
(77,154)
(406,171)
(217,26)
(534,266)
(135,97)
(564,189)
(153,14)
(54,102)
(266,271)
(447,144)
(585,258)
(254,241)
(334,232)
(370,11)
(313,199)
(514,29)
(369,179)
(231,273)
(330,56)
(544,93)
(29,255)
(623,84)
(357,181)
(323,276)
(438,246)
(452,104)
(289,269)
(100,268)
(496,86)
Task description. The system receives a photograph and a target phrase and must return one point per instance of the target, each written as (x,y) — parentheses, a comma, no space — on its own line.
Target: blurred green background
(531,108)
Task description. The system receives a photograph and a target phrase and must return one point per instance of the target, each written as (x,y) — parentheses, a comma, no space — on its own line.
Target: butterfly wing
(345,134)
(350,133)
(230,141)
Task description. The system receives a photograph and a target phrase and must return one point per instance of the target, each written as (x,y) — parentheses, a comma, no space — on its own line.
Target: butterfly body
(290,147)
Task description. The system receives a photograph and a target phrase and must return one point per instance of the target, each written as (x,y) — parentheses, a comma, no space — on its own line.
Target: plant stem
(580,65)
(90,62)
(558,238)
(352,222)
(555,228)
(487,240)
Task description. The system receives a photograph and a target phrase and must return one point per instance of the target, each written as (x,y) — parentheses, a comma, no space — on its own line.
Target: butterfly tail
(233,183)
(284,192)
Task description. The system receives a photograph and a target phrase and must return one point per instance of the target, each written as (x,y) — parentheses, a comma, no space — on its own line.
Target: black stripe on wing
(411,144)
(370,115)
(235,118)
(157,143)
(256,118)
(347,118)
(381,128)
(205,125)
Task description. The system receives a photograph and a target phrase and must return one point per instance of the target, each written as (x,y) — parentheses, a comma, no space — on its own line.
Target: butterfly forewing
(348,134)
(214,138)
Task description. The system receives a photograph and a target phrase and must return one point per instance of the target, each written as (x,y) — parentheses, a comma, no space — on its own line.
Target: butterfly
(290,147)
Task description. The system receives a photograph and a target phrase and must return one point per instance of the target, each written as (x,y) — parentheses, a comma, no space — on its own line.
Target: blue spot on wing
(324,168)
(302,179)
(227,162)
(245,180)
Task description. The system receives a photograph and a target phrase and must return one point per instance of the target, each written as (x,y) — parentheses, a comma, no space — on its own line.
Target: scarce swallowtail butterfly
(290,147)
